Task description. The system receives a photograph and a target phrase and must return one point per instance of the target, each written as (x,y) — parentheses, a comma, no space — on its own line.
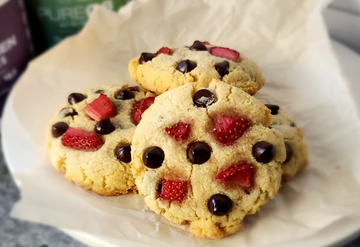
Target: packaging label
(61,18)
(15,46)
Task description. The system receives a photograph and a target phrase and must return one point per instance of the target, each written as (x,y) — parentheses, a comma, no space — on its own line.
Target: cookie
(296,152)
(197,64)
(207,157)
(90,137)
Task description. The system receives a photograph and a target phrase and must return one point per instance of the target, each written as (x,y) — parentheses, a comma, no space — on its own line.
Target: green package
(52,21)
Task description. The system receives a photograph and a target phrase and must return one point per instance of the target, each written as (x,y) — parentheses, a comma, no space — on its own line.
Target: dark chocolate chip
(75,98)
(274,108)
(203,98)
(146,56)
(67,112)
(132,89)
(293,124)
(263,152)
(186,66)
(104,126)
(219,204)
(123,152)
(289,152)
(198,46)
(124,94)
(198,152)
(222,68)
(153,157)
(99,91)
(59,129)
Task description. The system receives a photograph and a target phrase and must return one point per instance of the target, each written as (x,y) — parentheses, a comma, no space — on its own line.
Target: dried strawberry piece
(81,140)
(100,108)
(228,129)
(139,107)
(225,53)
(241,175)
(179,131)
(205,42)
(173,190)
(164,50)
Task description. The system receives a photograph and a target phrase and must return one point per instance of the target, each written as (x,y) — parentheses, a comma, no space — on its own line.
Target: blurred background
(30,27)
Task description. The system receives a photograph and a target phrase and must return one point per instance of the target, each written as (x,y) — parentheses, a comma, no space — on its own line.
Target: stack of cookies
(190,138)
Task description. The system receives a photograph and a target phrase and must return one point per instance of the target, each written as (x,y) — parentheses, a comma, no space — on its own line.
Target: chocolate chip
(67,112)
(75,98)
(124,94)
(289,152)
(222,68)
(186,66)
(263,152)
(292,124)
(153,157)
(59,129)
(104,126)
(198,152)
(99,91)
(219,204)
(123,152)
(146,56)
(203,98)
(198,46)
(247,192)
(274,108)
(132,89)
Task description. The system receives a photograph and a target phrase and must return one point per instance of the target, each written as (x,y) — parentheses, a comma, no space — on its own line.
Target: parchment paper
(290,44)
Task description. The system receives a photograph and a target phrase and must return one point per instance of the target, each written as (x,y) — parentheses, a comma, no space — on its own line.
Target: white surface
(341,234)
(302,76)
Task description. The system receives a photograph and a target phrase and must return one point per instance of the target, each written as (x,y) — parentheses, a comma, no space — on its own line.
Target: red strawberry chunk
(227,129)
(179,131)
(205,42)
(241,175)
(139,107)
(225,53)
(173,190)
(164,50)
(81,140)
(100,108)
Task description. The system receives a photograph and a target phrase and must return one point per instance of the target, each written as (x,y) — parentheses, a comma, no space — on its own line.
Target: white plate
(13,141)
(350,64)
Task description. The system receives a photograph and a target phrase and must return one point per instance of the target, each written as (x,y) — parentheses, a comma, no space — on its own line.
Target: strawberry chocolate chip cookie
(198,64)
(296,152)
(90,137)
(206,157)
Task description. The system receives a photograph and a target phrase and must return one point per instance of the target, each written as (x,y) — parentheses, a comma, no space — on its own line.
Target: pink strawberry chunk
(100,108)
(139,107)
(179,131)
(227,129)
(173,190)
(164,50)
(81,140)
(241,175)
(225,53)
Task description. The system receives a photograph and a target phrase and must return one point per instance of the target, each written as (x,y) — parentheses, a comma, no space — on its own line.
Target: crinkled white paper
(288,41)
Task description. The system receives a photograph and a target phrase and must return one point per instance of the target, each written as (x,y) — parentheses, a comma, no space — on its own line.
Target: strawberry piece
(179,131)
(205,43)
(241,175)
(173,190)
(100,108)
(139,107)
(164,50)
(227,129)
(225,53)
(81,140)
